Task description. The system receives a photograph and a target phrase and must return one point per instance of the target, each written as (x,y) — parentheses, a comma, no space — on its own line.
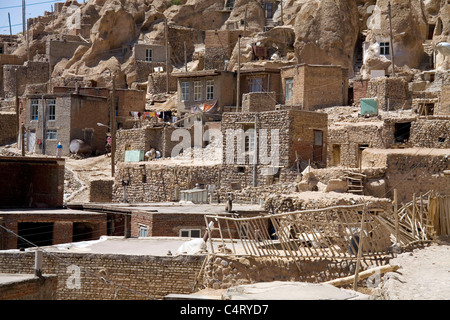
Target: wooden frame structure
(341,232)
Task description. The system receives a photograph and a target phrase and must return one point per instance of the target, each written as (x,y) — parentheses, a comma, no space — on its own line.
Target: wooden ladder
(355,182)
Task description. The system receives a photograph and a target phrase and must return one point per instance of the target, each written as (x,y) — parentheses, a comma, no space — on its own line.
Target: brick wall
(316,86)
(151,275)
(32,288)
(444,105)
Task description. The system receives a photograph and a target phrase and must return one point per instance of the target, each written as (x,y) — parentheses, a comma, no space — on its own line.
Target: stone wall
(8,125)
(32,72)
(411,170)
(7,59)
(153,182)
(223,272)
(152,276)
(392,93)
(258,101)
(430,133)
(443,108)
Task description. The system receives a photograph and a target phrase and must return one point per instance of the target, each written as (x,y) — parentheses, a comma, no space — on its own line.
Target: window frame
(209,89)
(143,231)
(34,110)
(184,91)
(385,48)
(289,89)
(51,109)
(256,83)
(189,231)
(149,57)
(198,90)
(51,131)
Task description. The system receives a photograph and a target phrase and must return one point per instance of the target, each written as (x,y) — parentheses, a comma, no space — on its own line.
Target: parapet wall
(144,276)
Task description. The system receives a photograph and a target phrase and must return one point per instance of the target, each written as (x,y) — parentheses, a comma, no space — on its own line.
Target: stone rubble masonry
(7,61)
(154,276)
(32,72)
(444,105)
(392,93)
(406,167)
(346,138)
(100,190)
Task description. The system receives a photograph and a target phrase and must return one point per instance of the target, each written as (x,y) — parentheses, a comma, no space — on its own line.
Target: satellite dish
(443,48)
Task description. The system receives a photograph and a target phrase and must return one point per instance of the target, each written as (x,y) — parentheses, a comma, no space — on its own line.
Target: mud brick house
(148,57)
(348,140)
(219,45)
(31,72)
(261,79)
(53,118)
(127,102)
(287,140)
(311,87)
(205,93)
(8,61)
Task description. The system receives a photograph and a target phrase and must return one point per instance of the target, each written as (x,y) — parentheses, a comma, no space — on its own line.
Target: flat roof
(50,211)
(168,208)
(148,246)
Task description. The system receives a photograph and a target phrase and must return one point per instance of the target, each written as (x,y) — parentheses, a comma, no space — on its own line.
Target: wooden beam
(363,275)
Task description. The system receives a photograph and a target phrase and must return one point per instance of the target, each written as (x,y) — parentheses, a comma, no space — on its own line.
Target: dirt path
(424,274)
(85,170)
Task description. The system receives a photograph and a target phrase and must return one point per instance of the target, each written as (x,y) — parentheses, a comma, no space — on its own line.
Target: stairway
(355,182)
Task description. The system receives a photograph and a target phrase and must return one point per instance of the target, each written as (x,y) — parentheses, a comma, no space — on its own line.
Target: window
(256,85)
(51,135)
(1,50)
(143,231)
(289,87)
(384,48)
(209,89)
(52,109)
(197,90)
(34,109)
(149,55)
(184,91)
(249,137)
(190,233)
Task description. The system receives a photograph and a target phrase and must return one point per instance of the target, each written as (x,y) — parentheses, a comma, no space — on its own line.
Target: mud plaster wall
(8,125)
(416,171)
(223,272)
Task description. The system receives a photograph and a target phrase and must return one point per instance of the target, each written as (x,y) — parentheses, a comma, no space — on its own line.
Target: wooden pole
(166,31)
(414,216)
(391,40)
(363,275)
(396,216)
(185,58)
(113,124)
(23,140)
(360,249)
(238,89)
(10,30)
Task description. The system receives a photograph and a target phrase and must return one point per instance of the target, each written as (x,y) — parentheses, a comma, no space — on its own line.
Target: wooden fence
(330,233)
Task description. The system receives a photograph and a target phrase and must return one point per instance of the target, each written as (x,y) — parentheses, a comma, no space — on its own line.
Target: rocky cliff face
(306,31)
